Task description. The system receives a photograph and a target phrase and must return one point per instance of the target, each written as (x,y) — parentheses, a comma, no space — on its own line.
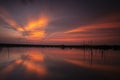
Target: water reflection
(58,64)
(32,62)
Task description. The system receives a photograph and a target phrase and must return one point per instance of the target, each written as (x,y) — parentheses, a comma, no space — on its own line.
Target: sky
(60,21)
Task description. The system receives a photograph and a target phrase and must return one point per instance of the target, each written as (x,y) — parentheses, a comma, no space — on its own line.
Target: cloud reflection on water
(31,61)
(40,63)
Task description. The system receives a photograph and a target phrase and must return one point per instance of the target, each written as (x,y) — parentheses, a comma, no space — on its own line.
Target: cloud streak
(7,18)
(103,32)
(95,27)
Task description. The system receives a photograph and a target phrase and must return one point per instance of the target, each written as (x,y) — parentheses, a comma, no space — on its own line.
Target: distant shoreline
(63,46)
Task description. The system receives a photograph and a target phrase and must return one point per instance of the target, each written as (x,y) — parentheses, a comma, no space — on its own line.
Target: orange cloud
(36,35)
(36,28)
(94,27)
(39,23)
(33,30)
(88,33)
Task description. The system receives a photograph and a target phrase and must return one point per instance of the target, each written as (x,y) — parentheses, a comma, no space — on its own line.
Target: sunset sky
(60,21)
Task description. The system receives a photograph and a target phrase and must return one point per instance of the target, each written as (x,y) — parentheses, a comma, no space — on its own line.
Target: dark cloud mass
(60,21)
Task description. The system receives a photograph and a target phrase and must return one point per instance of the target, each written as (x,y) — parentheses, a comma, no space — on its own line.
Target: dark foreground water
(59,64)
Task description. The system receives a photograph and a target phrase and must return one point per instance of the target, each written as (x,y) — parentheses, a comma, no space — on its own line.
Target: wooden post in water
(8,52)
(91,54)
